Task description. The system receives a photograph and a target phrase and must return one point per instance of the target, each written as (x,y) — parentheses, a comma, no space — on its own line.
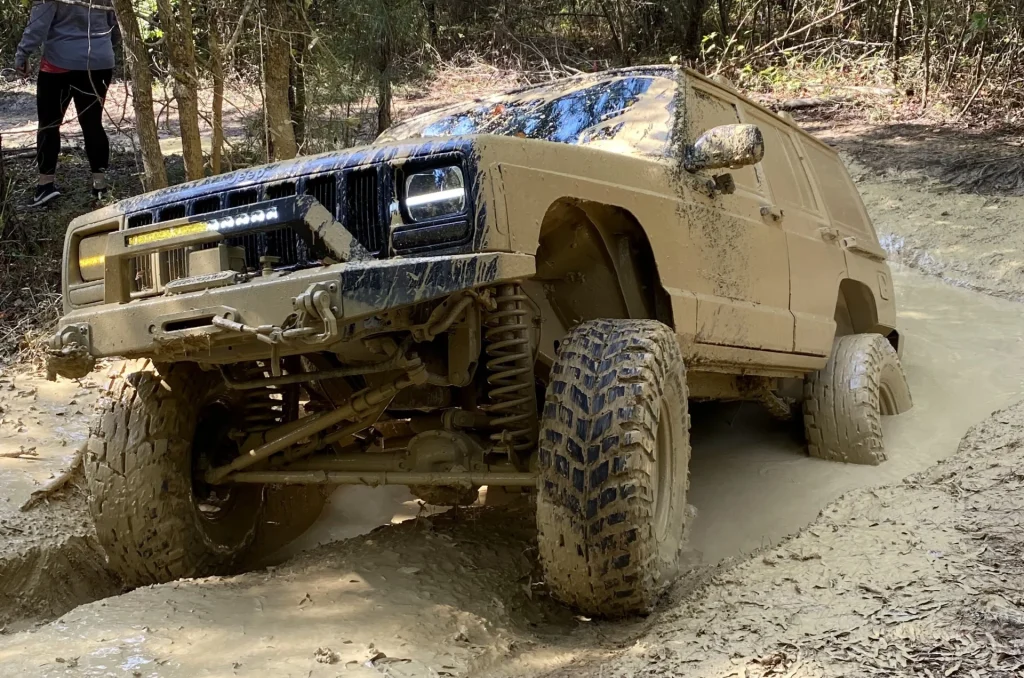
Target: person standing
(77,63)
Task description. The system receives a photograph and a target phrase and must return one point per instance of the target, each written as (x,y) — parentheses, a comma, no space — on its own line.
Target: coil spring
(262,408)
(510,370)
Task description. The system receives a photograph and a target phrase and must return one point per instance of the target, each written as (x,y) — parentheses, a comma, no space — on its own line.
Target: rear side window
(840,195)
(704,111)
(782,164)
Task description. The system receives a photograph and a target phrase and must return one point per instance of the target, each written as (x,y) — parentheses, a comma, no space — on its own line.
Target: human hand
(21,68)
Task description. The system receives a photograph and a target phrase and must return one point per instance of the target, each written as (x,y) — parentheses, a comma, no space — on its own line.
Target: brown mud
(913,579)
(459,594)
(49,558)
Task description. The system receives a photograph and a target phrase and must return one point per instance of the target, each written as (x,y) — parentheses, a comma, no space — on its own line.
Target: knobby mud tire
(617,389)
(139,475)
(289,511)
(844,401)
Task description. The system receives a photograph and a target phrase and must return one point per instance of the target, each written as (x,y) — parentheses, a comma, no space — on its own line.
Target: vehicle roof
(634,127)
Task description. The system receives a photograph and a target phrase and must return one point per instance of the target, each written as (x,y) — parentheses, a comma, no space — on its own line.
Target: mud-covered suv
(520,292)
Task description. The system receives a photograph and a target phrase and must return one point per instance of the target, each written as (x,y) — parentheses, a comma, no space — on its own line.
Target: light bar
(227,223)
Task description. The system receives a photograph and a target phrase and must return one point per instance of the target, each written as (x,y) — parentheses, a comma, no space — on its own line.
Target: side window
(782,165)
(705,110)
(840,195)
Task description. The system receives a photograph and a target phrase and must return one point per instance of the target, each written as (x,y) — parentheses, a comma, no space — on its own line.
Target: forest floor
(914,570)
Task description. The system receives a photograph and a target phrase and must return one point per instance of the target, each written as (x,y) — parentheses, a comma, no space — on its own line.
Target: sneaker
(98,194)
(44,194)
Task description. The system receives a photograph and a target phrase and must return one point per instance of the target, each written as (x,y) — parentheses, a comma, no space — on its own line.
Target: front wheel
(155,517)
(613,461)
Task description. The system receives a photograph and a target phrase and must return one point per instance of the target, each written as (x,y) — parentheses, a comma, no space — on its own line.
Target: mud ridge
(51,563)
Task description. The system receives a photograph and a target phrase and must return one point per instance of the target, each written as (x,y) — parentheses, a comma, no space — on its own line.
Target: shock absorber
(513,405)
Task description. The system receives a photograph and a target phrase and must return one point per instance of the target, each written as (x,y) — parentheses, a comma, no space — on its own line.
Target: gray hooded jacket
(74,37)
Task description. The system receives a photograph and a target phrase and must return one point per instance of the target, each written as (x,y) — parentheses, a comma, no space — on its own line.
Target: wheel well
(595,261)
(856,312)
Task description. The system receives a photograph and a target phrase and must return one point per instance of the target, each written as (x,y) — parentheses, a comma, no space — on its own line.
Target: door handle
(829,234)
(772,212)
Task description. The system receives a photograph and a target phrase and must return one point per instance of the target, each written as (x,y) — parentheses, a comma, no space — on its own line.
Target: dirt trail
(458,594)
(49,558)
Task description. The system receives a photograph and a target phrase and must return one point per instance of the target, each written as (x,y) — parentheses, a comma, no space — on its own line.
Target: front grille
(359,207)
(362,209)
(281,243)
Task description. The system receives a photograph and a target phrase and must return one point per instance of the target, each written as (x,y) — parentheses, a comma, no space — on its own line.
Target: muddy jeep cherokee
(520,292)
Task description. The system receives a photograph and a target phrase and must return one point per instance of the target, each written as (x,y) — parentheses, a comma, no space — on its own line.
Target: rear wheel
(613,458)
(845,401)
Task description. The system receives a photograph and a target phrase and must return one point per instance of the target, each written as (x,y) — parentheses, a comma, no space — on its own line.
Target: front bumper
(177,326)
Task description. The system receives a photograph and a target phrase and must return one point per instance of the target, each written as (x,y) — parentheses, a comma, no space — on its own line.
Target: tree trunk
(217,71)
(181,54)
(897,42)
(384,58)
(430,8)
(926,58)
(723,22)
(137,59)
(276,75)
(297,92)
(693,26)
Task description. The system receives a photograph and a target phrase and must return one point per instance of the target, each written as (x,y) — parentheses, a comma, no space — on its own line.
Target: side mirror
(730,146)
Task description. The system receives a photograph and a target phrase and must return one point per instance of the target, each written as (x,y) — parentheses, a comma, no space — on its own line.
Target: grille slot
(280,242)
(140,219)
(282,190)
(362,209)
(206,205)
(176,262)
(141,269)
(172,212)
(325,190)
(245,197)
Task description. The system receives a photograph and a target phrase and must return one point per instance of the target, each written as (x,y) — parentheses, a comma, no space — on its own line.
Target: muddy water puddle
(750,477)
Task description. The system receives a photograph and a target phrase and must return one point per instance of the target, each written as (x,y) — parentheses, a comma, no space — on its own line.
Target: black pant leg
(53,94)
(89,89)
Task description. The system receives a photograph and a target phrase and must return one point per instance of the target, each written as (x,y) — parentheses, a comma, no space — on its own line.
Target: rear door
(816,262)
(742,248)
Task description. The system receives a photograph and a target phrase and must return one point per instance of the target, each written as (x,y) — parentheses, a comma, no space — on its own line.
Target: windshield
(629,114)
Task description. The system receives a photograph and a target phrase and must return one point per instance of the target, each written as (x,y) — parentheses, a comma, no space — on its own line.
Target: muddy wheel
(844,402)
(289,510)
(613,458)
(156,519)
